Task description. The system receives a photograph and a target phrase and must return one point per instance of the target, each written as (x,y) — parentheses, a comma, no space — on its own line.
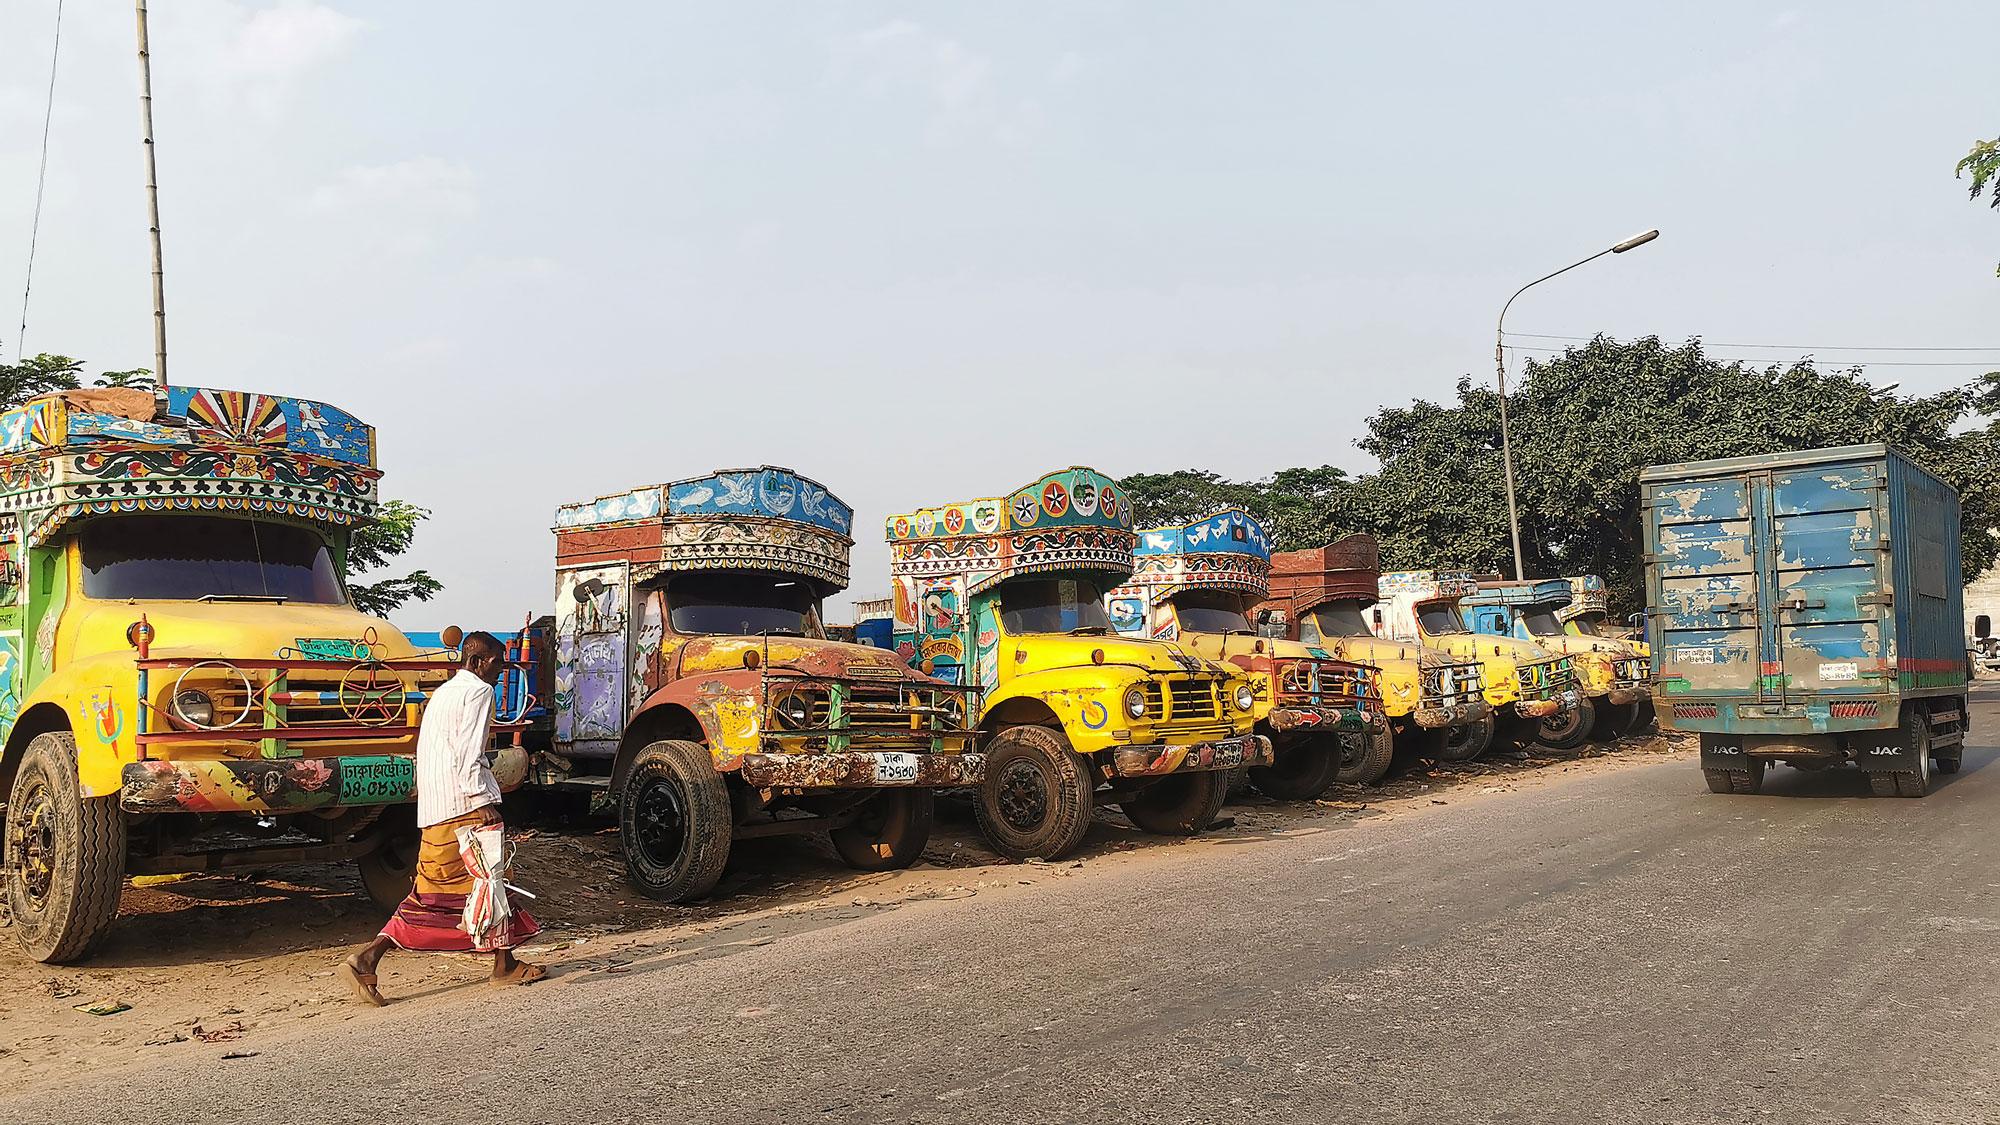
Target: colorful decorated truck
(1195,585)
(1324,597)
(1533,690)
(1609,675)
(694,682)
(1588,614)
(181,670)
(1007,594)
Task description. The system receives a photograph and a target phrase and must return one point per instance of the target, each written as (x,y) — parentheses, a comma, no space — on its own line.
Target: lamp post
(1500,368)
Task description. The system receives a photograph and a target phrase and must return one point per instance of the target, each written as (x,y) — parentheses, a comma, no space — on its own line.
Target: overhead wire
(41,183)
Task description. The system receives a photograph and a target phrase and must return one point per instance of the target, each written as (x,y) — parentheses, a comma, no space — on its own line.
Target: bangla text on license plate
(1229,754)
(895,766)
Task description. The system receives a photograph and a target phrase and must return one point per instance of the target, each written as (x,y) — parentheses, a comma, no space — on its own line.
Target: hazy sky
(926,252)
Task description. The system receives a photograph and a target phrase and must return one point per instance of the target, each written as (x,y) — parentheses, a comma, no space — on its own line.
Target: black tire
(1301,769)
(890,832)
(1613,720)
(1568,730)
(389,873)
(1743,781)
(1468,741)
(65,854)
(1038,794)
(1181,804)
(1644,718)
(1948,759)
(1365,758)
(675,821)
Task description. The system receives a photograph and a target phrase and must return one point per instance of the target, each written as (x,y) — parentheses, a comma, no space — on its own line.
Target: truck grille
(1452,685)
(1546,679)
(1632,670)
(1189,702)
(1326,683)
(836,714)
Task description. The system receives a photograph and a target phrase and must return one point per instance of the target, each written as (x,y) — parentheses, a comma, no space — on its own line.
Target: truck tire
(1178,805)
(890,832)
(1038,794)
(675,821)
(1301,769)
(389,873)
(1745,781)
(65,854)
(1365,758)
(1468,741)
(1571,730)
(1914,730)
(1613,720)
(1644,718)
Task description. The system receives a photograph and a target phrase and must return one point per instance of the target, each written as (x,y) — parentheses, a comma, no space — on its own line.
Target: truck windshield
(1211,611)
(1342,620)
(189,558)
(1541,622)
(742,605)
(1053,605)
(1439,618)
(1589,625)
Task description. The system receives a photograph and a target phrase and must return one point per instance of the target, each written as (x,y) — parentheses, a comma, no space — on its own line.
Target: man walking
(455,789)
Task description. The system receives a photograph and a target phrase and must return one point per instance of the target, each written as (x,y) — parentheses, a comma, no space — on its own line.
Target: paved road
(1613,947)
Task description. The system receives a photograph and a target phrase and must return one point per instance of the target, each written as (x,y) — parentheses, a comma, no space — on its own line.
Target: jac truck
(185,684)
(1195,584)
(1006,594)
(1434,702)
(1807,608)
(694,684)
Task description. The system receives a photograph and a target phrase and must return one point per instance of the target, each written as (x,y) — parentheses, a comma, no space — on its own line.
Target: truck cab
(1532,689)
(694,682)
(1325,598)
(1608,673)
(1195,585)
(1588,614)
(1006,594)
(180,663)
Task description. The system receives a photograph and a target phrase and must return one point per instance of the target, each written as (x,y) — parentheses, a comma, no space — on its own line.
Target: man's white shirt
(452,775)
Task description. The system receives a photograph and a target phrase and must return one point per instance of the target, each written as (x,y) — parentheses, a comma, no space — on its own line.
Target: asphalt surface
(1619,946)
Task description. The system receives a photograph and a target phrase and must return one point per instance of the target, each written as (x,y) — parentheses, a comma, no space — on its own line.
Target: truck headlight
(1246,697)
(195,709)
(1135,703)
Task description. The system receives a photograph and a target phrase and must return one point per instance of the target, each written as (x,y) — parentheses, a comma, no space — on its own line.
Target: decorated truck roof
(1343,570)
(1588,593)
(1426,585)
(766,518)
(121,450)
(1226,550)
(1073,519)
(1541,591)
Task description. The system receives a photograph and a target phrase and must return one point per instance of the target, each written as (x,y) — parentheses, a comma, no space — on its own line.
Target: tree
(45,374)
(1294,505)
(1984,164)
(374,546)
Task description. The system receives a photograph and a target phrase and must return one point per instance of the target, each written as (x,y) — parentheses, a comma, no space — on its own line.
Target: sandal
(360,984)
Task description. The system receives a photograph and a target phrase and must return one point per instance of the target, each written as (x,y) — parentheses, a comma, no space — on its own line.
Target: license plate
(895,767)
(1229,754)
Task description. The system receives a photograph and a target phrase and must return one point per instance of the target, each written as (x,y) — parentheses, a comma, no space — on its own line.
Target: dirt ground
(206,965)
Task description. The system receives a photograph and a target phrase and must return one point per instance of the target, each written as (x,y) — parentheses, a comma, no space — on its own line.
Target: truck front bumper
(1627,693)
(266,785)
(1312,718)
(1548,708)
(1221,754)
(862,771)
(1451,714)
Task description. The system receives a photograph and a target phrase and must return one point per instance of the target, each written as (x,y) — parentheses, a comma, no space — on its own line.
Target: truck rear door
(1829,543)
(1711,636)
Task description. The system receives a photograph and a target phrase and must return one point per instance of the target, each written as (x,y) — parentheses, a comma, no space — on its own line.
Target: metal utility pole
(1500,368)
(152,203)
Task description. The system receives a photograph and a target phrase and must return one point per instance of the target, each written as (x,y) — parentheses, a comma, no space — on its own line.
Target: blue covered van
(1807,608)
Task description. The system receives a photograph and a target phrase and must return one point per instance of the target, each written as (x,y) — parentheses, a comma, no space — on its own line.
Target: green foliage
(376,545)
(1294,504)
(1584,424)
(45,373)
(1984,164)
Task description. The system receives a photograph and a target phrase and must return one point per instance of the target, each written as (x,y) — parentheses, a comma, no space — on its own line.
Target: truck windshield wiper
(275,599)
(1087,631)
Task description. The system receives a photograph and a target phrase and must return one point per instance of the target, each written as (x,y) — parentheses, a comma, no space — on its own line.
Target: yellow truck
(1609,675)
(1588,614)
(184,682)
(1007,594)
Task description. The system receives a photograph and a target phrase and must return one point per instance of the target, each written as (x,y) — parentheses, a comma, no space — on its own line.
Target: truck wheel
(1038,794)
(1613,720)
(1468,741)
(1643,717)
(1915,730)
(389,873)
(1180,805)
(890,832)
(1301,770)
(1365,758)
(674,821)
(1570,729)
(1747,781)
(65,854)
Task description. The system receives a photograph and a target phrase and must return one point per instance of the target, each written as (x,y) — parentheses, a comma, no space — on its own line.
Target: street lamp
(1500,366)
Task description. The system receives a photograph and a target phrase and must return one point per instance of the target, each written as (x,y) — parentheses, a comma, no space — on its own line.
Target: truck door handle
(1800,604)
(1739,605)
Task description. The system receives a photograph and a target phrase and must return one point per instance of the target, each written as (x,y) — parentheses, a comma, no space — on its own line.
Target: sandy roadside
(209,965)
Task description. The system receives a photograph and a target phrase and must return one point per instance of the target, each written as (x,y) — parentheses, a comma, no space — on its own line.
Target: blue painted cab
(1808,606)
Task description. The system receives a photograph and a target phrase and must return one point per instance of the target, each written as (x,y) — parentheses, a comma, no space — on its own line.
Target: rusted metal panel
(885,769)
(260,785)
(1343,570)
(1219,754)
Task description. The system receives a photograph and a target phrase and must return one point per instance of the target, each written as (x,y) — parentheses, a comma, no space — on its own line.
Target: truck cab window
(191,558)
(1541,622)
(1053,605)
(742,604)
(1440,618)
(1211,611)
(1344,620)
